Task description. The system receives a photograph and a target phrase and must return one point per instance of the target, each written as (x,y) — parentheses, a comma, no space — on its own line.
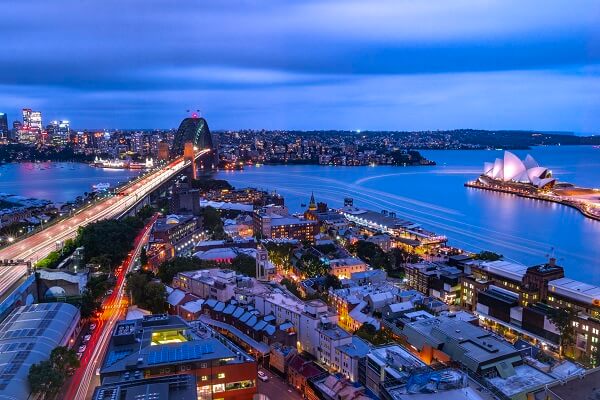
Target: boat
(101,187)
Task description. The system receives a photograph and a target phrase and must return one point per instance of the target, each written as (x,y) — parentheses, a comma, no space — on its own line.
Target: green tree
(211,221)
(143,257)
(135,285)
(168,269)
(88,305)
(244,264)
(145,213)
(372,335)
(64,360)
(103,261)
(372,254)
(312,266)
(280,254)
(563,321)
(44,379)
(154,297)
(332,281)
(488,256)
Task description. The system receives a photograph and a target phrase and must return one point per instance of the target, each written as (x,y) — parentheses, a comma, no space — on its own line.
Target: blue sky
(397,64)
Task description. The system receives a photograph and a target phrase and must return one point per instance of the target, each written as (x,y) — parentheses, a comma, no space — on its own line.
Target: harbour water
(523,230)
(58,182)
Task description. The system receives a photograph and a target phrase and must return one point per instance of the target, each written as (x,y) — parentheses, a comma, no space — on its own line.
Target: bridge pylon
(189,155)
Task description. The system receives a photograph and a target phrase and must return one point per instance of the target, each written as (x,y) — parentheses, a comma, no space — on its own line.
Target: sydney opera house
(512,171)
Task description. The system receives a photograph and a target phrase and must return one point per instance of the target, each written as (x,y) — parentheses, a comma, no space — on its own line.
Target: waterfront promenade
(587,201)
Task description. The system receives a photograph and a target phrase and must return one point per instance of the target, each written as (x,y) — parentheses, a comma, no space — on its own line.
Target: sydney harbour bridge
(192,148)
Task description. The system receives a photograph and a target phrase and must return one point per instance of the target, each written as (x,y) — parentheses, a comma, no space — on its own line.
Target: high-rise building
(59,132)
(26,118)
(35,120)
(3,126)
(31,130)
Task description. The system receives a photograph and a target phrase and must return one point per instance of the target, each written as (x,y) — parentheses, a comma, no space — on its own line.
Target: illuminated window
(218,388)
(221,375)
(204,377)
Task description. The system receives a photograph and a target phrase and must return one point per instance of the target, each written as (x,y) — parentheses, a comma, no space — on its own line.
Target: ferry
(120,164)
(101,187)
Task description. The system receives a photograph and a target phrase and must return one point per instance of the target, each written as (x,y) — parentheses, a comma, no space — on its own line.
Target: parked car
(87,338)
(82,348)
(262,376)
(92,327)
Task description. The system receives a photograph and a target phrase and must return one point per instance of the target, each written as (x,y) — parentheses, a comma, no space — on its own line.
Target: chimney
(552,262)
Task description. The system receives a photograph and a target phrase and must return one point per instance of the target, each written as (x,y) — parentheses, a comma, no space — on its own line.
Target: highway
(113,310)
(37,246)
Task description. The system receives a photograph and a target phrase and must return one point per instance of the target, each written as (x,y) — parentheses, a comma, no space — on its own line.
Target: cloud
(162,55)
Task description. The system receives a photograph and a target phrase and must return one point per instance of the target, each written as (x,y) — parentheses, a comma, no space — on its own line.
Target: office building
(4,131)
(275,223)
(448,338)
(162,346)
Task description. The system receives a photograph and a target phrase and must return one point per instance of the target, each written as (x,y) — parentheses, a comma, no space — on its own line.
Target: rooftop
(454,334)
(505,269)
(165,340)
(575,290)
(27,336)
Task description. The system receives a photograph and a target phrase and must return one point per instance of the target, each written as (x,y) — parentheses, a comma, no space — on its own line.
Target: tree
(145,292)
(64,360)
(332,281)
(145,213)
(372,254)
(312,266)
(102,260)
(280,254)
(208,184)
(563,321)
(143,257)
(371,334)
(488,256)
(44,379)
(136,285)
(168,269)
(88,305)
(244,264)
(154,297)
(48,377)
(98,285)
(211,221)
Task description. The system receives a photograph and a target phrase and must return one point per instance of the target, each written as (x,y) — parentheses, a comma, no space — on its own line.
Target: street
(37,246)
(85,379)
(276,388)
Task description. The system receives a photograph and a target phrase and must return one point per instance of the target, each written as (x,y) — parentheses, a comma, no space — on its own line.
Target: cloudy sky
(304,64)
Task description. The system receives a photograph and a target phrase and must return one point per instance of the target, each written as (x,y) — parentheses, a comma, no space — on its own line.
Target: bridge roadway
(39,245)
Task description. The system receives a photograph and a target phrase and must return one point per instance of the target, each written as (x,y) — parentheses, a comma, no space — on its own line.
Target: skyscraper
(3,126)
(59,132)
(35,120)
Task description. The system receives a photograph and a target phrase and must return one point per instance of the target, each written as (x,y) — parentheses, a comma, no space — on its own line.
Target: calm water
(57,182)
(523,230)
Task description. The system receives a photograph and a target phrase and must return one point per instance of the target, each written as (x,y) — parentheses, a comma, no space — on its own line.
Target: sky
(304,64)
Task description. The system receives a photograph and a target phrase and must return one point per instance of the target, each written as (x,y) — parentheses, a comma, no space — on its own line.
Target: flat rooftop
(506,269)
(575,290)
(475,342)
(158,340)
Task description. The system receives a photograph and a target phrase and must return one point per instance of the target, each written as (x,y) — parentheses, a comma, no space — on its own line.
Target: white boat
(100,187)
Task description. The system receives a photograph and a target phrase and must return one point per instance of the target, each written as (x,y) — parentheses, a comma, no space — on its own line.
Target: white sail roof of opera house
(511,168)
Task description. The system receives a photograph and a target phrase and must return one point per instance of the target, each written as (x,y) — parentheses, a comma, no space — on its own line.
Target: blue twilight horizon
(393,64)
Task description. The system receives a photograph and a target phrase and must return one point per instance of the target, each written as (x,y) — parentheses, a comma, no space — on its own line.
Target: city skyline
(325,65)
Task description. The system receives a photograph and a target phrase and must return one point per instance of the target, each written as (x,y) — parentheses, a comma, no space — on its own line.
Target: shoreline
(475,185)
